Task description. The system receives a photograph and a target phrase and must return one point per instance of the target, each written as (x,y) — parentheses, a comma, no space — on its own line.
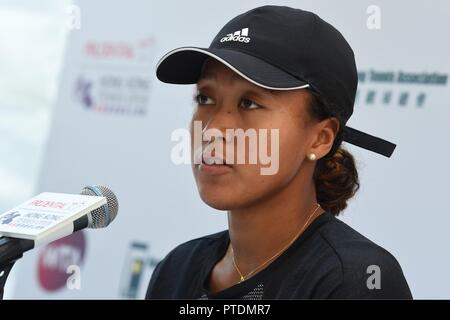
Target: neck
(260,231)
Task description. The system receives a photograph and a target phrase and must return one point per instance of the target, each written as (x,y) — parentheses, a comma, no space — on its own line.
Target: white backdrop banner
(113,121)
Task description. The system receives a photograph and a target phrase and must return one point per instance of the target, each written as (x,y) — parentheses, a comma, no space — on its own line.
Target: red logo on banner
(48,204)
(55,259)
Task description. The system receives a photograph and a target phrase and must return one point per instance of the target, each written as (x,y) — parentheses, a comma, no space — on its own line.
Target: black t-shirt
(329,260)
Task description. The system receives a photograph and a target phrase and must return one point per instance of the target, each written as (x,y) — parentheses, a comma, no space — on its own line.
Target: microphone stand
(11,250)
(4,272)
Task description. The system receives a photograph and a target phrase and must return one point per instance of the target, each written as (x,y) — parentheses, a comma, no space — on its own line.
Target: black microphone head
(104,215)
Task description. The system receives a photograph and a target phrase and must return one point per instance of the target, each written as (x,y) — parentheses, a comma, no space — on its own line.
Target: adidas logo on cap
(241,36)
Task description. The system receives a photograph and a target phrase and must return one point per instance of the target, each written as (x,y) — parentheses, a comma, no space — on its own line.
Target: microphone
(100,217)
(12,249)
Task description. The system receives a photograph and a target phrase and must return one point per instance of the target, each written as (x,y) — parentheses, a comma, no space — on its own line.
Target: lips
(207,158)
(214,169)
(211,164)
(214,160)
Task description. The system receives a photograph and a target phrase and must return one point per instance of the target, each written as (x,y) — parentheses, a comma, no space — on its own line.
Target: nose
(221,119)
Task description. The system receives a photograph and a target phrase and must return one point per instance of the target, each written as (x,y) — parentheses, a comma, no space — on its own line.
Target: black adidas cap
(281,48)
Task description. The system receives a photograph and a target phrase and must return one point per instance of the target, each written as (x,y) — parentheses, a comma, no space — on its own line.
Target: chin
(221,200)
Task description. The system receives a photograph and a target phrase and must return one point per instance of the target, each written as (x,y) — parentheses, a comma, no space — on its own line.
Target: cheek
(285,144)
(292,145)
(247,184)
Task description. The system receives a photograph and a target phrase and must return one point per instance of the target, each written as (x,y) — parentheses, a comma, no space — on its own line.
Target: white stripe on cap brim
(228,65)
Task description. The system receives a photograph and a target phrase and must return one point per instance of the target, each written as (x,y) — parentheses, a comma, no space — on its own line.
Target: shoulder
(182,263)
(352,248)
(365,269)
(192,250)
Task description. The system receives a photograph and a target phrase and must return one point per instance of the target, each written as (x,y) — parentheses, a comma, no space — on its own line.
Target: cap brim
(183,66)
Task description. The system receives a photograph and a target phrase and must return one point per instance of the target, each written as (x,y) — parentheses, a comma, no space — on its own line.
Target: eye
(202,99)
(249,104)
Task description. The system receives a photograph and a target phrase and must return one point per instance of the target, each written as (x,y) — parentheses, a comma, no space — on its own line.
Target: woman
(285,69)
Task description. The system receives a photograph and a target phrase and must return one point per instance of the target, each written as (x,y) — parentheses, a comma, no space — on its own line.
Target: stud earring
(312,156)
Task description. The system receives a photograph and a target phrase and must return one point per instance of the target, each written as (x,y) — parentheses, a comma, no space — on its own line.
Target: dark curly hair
(335,175)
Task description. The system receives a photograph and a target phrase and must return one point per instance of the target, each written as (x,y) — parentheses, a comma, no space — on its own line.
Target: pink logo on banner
(57,257)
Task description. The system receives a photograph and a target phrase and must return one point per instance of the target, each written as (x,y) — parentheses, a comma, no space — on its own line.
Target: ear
(326,132)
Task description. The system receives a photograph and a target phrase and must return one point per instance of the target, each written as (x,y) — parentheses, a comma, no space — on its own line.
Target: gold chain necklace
(243,278)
